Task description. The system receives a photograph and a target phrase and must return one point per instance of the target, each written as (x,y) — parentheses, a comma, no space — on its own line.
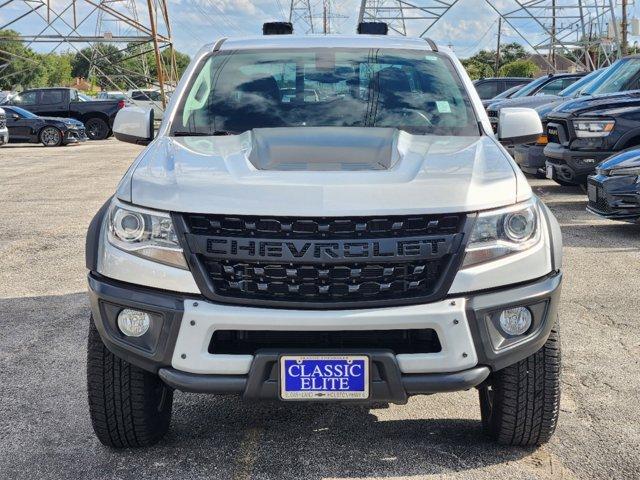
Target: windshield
(21,111)
(530,87)
(575,88)
(621,76)
(416,91)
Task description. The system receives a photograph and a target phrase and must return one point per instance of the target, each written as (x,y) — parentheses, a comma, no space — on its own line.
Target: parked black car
(614,192)
(490,87)
(585,131)
(26,127)
(97,115)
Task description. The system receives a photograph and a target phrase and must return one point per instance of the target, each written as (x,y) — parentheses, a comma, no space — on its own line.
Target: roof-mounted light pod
(373,28)
(277,28)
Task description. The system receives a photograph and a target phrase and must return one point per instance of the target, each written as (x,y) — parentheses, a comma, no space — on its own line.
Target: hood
(625,159)
(598,103)
(323,171)
(66,121)
(524,102)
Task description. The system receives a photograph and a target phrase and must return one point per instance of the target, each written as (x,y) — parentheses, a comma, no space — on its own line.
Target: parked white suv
(369,243)
(4,132)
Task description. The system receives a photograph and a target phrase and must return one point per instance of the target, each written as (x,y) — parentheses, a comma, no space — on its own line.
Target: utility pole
(551,58)
(497,68)
(324,17)
(625,29)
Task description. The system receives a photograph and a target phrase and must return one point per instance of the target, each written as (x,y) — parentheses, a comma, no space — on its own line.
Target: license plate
(549,172)
(592,193)
(324,377)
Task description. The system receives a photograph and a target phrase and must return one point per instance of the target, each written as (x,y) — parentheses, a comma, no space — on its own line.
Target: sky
(470,25)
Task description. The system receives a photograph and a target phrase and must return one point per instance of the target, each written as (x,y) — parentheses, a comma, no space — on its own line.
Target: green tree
(483,63)
(58,69)
(107,71)
(519,68)
(20,67)
(510,52)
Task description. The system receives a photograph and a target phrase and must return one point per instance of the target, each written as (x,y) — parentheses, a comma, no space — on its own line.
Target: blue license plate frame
(292,382)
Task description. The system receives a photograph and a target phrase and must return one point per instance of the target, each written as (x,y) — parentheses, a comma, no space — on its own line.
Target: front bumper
(75,136)
(530,158)
(616,197)
(177,346)
(572,166)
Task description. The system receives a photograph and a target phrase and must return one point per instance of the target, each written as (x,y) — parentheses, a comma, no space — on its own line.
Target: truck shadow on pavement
(272,440)
(46,425)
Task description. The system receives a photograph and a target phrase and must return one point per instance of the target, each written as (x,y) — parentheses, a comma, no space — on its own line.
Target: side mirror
(519,125)
(134,125)
(15,116)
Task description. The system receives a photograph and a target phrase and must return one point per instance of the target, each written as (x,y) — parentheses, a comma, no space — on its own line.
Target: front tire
(129,407)
(520,404)
(97,129)
(51,137)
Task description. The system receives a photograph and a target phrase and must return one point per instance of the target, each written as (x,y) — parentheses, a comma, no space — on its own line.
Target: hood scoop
(324,149)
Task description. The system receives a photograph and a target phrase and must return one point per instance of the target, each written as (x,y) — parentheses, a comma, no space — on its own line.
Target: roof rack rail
(432,44)
(218,44)
(277,28)
(373,28)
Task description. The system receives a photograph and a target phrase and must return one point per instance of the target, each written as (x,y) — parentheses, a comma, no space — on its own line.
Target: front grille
(320,262)
(399,341)
(600,203)
(557,132)
(3,121)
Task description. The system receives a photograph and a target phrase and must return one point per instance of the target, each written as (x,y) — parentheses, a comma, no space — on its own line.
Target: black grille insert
(600,204)
(323,262)
(399,341)
(322,228)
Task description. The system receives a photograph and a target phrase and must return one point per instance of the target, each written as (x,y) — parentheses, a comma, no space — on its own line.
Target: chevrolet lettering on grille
(324,251)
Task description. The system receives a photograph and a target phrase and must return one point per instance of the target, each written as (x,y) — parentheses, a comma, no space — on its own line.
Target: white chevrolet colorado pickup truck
(365,243)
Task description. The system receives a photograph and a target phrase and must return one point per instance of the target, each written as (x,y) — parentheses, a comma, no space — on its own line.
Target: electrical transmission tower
(80,23)
(319,16)
(402,15)
(584,30)
(107,25)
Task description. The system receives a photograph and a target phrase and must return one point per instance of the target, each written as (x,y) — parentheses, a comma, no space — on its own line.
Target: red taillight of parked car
(121,104)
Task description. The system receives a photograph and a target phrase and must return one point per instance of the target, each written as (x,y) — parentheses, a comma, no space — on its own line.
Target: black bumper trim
(388,384)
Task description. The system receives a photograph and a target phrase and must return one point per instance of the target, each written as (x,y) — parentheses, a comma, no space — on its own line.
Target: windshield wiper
(215,133)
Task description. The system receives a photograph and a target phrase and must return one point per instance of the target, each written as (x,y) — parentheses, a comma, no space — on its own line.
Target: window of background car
(416,91)
(487,89)
(51,97)
(621,76)
(556,86)
(26,98)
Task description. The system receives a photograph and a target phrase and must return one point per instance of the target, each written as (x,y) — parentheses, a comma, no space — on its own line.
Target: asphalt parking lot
(48,197)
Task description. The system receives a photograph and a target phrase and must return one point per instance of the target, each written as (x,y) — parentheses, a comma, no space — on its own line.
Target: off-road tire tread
(527,397)
(123,401)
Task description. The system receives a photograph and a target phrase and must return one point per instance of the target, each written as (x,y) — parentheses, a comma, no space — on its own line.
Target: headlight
(498,233)
(593,128)
(145,233)
(625,171)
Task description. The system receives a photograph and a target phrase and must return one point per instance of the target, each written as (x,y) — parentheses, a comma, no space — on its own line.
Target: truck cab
(367,243)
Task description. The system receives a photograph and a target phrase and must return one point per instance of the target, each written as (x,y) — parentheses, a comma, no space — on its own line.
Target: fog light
(515,321)
(133,323)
